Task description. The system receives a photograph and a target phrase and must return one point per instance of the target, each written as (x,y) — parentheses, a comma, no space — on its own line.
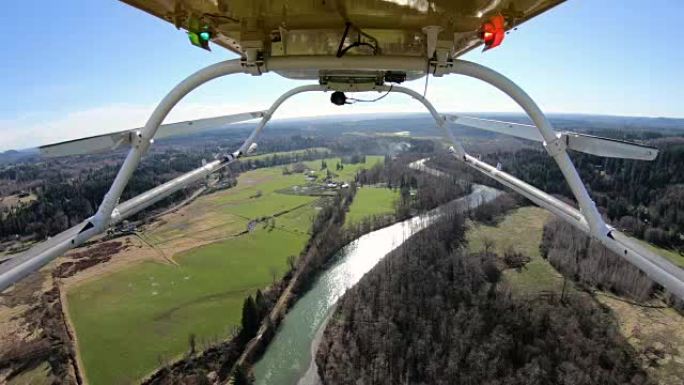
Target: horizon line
(389,113)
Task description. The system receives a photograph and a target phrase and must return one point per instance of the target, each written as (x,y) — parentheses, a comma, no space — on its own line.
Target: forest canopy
(430,313)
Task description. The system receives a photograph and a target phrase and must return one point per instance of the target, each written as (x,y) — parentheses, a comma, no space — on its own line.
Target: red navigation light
(493,31)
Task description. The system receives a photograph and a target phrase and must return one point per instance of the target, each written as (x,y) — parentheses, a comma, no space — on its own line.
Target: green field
(522,230)
(129,321)
(371,201)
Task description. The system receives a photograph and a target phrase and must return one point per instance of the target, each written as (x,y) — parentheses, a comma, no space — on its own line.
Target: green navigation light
(200,39)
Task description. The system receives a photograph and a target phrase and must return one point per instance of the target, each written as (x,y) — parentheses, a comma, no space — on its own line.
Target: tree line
(643,198)
(587,262)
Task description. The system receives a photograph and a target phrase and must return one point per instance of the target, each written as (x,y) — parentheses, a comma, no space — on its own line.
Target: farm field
(129,320)
(521,229)
(371,201)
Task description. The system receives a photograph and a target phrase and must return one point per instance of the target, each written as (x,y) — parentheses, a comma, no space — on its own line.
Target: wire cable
(354,100)
(342,50)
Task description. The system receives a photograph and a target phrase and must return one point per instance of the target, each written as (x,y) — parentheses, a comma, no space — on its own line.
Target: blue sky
(80,67)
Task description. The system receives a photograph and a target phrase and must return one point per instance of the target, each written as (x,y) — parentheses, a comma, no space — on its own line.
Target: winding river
(288,358)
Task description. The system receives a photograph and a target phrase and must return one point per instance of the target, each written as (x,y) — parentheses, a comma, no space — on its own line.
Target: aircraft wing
(122,139)
(595,145)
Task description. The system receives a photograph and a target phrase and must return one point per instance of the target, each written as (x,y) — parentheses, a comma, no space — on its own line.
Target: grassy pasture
(130,320)
(522,230)
(15,200)
(371,201)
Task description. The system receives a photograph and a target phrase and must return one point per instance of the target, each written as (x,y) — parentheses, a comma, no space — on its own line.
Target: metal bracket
(136,138)
(557,146)
(351,81)
(443,59)
(252,62)
(352,87)
(438,48)
(432,34)
(231,156)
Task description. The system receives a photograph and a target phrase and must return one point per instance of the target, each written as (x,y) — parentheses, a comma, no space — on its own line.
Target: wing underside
(305,27)
(123,139)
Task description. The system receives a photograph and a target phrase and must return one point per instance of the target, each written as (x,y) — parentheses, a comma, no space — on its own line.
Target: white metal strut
(587,219)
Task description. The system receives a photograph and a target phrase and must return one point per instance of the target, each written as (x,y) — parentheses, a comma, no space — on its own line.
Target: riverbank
(325,247)
(288,358)
(424,186)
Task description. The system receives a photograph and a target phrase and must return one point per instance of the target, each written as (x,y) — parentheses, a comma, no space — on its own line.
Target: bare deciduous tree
(488,245)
